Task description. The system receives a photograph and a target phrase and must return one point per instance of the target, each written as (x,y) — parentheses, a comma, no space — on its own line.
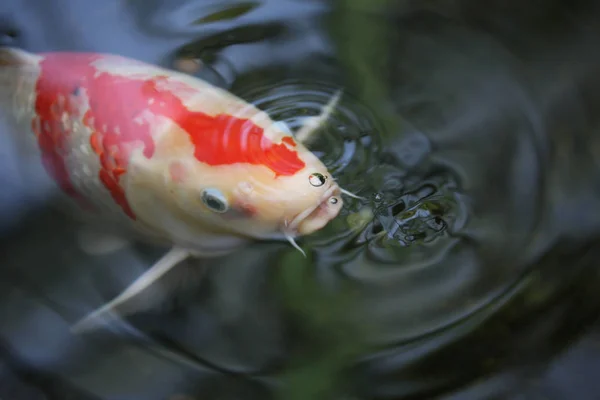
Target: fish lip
(291,228)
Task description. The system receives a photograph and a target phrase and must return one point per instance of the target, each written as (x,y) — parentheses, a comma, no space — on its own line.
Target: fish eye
(214,200)
(316,179)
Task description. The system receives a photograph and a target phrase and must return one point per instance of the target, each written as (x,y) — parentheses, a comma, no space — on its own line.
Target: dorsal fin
(13,57)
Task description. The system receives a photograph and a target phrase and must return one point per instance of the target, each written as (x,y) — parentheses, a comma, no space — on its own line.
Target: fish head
(254,202)
(243,177)
(294,205)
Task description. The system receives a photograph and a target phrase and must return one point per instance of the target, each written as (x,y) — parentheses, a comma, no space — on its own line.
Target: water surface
(471,132)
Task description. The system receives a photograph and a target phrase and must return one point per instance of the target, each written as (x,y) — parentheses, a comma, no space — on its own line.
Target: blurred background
(470,271)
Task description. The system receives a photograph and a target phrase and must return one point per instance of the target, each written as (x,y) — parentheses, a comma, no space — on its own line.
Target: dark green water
(470,272)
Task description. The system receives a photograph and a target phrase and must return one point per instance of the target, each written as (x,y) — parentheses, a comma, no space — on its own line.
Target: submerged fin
(97,243)
(314,123)
(162,266)
(350,194)
(290,239)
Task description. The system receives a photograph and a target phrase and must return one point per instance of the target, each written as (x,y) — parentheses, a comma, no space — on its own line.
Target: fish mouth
(314,218)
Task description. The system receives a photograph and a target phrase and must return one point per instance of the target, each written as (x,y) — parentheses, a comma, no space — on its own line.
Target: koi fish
(166,156)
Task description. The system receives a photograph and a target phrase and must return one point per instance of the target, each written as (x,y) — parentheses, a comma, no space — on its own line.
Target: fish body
(166,154)
(163,154)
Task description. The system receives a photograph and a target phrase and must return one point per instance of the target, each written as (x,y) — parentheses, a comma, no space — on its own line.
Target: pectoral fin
(313,124)
(97,243)
(161,267)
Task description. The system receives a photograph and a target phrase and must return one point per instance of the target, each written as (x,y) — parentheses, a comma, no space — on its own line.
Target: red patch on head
(289,140)
(114,104)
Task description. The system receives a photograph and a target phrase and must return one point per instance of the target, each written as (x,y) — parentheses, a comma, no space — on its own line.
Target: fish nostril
(333,200)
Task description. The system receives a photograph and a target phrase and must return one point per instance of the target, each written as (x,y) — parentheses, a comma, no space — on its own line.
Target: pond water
(470,265)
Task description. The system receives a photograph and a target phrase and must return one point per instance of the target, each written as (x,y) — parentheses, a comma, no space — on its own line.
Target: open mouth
(316,217)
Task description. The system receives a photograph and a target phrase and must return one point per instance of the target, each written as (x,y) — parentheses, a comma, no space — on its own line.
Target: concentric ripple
(474,251)
(398,210)
(398,244)
(348,143)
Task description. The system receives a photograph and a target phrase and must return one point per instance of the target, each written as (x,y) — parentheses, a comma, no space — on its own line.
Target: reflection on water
(470,263)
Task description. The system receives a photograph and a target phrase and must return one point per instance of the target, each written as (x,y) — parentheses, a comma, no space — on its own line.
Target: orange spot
(289,140)
(95,143)
(177,171)
(248,210)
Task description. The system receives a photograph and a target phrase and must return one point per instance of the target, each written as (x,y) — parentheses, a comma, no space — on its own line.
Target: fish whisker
(350,194)
(292,241)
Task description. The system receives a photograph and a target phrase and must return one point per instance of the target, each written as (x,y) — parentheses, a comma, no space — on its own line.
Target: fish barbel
(164,155)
